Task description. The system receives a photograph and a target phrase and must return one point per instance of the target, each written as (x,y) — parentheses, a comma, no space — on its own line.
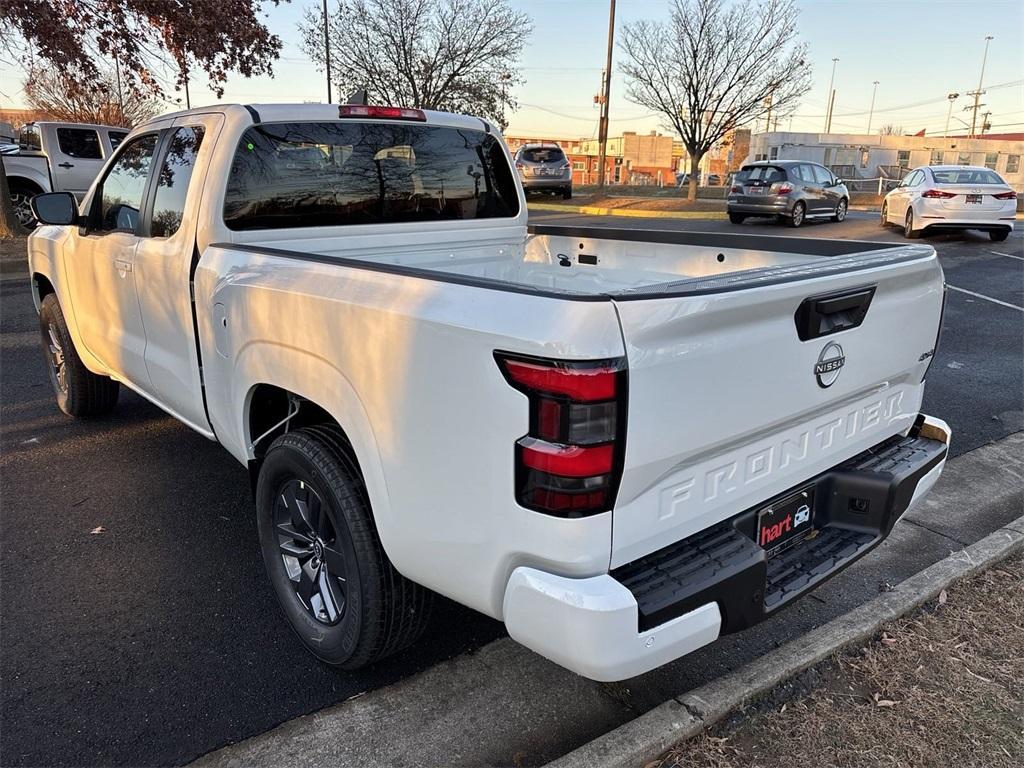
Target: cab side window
(172,183)
(120,196)
(822,175)
(79,142)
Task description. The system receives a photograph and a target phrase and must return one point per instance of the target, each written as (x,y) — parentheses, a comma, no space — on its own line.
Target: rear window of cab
(765,173)
(542,155)
(287,175)
(966,176)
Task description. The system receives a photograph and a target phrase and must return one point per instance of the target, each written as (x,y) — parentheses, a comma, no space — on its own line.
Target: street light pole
(871,112)
(831,82)
(602,129)
(327,53)
(952,97)
(981,77)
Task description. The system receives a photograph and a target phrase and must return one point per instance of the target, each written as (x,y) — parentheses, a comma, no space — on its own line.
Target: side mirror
(837,182)
(55,208)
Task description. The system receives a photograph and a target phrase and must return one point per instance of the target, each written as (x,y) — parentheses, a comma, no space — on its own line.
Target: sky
(919,51)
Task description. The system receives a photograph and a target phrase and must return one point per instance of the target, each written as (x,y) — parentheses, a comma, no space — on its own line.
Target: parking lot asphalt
(158,639)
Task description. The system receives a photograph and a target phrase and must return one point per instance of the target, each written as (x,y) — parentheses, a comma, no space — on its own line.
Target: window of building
(864,156)
(579,165)
(964,158)
(903,158)
(79,142)
(991,158)
(120,198)
(773,153)
(936,157)
(1013,163)
(169,203)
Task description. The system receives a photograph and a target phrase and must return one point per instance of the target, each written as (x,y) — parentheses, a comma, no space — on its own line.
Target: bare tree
(64,97)
(891,129)
(453,55)
(714,67)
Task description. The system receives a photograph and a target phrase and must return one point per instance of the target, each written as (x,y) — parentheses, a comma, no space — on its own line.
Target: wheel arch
(17,180)
(41,288)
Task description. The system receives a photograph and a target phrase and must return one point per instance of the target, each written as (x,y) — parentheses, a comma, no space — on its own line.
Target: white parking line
(1010,255)
(986,298)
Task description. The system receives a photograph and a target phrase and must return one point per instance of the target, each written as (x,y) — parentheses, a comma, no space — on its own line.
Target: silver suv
(544,168)
(790,190)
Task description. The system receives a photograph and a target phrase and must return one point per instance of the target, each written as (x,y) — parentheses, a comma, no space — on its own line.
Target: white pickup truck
(57,157)
(623,444)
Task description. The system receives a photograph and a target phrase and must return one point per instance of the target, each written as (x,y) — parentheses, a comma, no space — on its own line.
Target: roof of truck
(288,113)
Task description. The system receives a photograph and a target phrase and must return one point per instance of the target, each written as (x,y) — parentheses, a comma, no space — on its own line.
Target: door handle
(66,165)
(123,267)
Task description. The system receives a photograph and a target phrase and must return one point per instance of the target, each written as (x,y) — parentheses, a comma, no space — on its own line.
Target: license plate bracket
(786,522)
(975,199)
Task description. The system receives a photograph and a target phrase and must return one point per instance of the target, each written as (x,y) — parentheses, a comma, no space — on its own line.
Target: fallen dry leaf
(886,640)
(98,530)
(943,597)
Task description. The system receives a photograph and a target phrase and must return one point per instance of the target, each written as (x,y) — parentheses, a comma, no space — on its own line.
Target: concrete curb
(643,739)
(634,213)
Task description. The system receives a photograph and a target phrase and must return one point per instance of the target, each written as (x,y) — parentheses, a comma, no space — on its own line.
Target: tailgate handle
(829,313)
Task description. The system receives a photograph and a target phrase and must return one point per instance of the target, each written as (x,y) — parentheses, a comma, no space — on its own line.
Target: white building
(867,156)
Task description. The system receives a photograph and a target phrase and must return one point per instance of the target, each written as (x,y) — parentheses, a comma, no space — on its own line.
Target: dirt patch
(943,687)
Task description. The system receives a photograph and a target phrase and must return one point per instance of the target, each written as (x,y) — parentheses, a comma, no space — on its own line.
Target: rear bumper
(993,225)
(673,601)
(767,206)
(546,182)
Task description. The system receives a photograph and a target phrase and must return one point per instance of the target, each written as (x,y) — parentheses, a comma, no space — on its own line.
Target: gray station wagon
(790,190)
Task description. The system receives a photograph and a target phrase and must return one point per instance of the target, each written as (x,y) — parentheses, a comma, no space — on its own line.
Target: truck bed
(599,262)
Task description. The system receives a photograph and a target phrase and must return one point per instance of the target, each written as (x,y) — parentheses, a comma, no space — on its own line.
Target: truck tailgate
(739,394)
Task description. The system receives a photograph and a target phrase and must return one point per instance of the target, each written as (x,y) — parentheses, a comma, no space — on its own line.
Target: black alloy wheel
(311,550)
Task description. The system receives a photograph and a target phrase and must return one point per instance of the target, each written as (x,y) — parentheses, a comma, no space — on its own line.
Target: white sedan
(951,197)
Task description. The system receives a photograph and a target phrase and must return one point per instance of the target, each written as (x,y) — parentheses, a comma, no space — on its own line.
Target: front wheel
(841,208)
(797,217)
(908,226)
(999,235)
(79,391)
(336,586)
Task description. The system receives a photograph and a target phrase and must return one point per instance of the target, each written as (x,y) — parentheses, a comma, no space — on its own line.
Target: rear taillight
(736,191)
(388,113)
(570,462)
(1011,195)
(937,194)
(566,166)
(781,188)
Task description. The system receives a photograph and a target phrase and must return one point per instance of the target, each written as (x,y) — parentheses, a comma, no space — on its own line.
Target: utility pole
(188,100)
(831,106)
(977,93)
(871,112)
(952,97)
(602,129)
(831,82)
(120,94)
(327,53)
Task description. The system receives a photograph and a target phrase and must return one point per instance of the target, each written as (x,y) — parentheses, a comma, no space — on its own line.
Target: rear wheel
(840,213)
(908,226)
(797,217)
(567,193)
(737,218)
(336,586)
(21,202)
(999,235)
(79,391)
(884,216)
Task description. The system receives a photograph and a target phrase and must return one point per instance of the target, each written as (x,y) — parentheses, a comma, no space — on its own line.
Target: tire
(80,392)
(567,194)
(999,235)
(841,208)
(737,218)
(375,611)
(21,199)
(884,215)
(797,217)
(908,226)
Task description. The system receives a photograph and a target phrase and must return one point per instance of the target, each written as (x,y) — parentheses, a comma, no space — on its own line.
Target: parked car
(544,168)
(622,444)
(951,198)
(57,157)
(791,191)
